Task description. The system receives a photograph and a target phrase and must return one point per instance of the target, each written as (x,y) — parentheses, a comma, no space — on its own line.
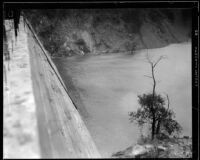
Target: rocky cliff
(94,31)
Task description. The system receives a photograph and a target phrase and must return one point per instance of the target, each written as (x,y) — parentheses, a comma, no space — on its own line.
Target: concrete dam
(61,130)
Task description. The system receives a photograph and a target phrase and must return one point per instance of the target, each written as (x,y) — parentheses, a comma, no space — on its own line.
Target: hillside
(95,31)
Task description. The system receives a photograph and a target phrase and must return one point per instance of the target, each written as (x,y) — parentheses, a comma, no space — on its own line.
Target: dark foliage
(169,14)
(164,117)
(58,27)
(82,45)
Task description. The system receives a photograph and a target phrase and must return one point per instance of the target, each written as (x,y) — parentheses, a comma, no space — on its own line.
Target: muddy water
(108,85)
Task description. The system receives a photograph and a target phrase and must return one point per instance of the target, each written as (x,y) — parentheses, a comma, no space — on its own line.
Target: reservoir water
(106,86)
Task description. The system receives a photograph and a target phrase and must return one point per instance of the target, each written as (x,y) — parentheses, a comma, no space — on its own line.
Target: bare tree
(152,108)
(153,65)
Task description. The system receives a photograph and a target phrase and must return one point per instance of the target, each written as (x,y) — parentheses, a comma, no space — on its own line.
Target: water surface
(108,85)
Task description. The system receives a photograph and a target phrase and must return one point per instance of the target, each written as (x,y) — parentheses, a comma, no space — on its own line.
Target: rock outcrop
(168,148)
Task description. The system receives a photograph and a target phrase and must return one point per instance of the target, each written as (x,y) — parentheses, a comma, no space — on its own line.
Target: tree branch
(154,65)
(168,102)
(147,57)
(148,76)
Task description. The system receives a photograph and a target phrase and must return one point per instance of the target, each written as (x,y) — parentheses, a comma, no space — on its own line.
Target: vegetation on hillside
(66,32)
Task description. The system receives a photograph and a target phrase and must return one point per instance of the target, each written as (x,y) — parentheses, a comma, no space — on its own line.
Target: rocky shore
(165,148)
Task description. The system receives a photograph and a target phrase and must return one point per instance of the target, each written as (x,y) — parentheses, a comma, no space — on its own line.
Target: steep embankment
(82,31)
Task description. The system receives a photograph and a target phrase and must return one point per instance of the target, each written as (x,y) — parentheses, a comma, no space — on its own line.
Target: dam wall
(59,131)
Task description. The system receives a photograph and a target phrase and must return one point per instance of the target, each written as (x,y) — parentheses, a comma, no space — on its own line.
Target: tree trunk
(158,128)
(154,82)
(154,121)
(153,128)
